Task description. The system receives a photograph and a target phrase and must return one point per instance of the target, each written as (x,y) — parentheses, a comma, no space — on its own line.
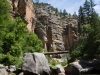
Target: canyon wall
(57,34)
(24,9)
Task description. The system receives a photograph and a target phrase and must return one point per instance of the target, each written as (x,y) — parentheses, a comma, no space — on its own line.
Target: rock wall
(25,9)
(48,28)
(57,34)
(70,34)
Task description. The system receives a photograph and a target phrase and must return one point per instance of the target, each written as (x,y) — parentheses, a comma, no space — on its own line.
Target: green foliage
(32,43)
(81,16)
(64,13)
(15,39)
(3,13)
(75,15)
(54,63)
(64,63)
(56,11)
(12,74)
(89,47)
(85,12)
(77,52)
(4,8)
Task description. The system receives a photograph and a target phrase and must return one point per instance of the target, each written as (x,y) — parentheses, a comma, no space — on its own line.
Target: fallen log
(57,52)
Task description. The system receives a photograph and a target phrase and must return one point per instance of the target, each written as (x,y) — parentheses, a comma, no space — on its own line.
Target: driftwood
(58,52)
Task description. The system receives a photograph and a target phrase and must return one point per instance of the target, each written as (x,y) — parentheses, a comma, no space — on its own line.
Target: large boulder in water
(34,64)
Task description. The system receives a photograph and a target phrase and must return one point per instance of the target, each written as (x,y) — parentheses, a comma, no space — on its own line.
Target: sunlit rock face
(60,34)
(57,34)
(24,9)
(49,26)
(70,34)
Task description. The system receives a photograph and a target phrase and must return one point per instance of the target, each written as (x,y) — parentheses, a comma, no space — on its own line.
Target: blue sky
(71,6)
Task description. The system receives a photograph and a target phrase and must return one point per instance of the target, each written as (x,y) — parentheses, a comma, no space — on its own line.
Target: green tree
(75,15)
(92,4)
(15,39)
(89,48)
(4,8)
(32,43)
(85,14)
(93,42)
(56,10)
(64,13)
(87,11)
(81,19)
(81,16)
(60,13)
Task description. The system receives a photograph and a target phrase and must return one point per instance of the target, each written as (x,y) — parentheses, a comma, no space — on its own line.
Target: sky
(70,6)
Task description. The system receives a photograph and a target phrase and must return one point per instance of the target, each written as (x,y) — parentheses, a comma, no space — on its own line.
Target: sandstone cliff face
(25,9)
(48,28)
(57,34)
(70,34)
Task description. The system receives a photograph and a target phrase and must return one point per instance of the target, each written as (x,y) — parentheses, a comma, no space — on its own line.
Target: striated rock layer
(25,9)
(48,28)
(56,33)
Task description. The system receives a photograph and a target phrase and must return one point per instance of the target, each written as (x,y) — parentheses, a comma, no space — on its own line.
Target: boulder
(12,68)
(35,63)
(84,67)
(60,69)
(3,70)
(57,70)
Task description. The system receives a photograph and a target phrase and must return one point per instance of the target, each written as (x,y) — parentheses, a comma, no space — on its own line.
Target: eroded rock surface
(3,70)
(49,25)
(35,63)
(56,33)
(24,9)
(82,66)
(61,34)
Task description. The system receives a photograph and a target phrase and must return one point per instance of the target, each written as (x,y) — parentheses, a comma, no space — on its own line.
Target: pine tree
(56,10)
(75,15)
(87,11)
(92,4)
(81,16)
(64,13)
(89,48)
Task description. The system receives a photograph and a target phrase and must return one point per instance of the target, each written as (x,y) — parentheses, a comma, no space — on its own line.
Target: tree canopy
(88,46)
(15,39)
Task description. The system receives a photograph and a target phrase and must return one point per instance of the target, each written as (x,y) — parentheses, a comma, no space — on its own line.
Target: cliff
(58,33)
(49,27)
(24,9)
